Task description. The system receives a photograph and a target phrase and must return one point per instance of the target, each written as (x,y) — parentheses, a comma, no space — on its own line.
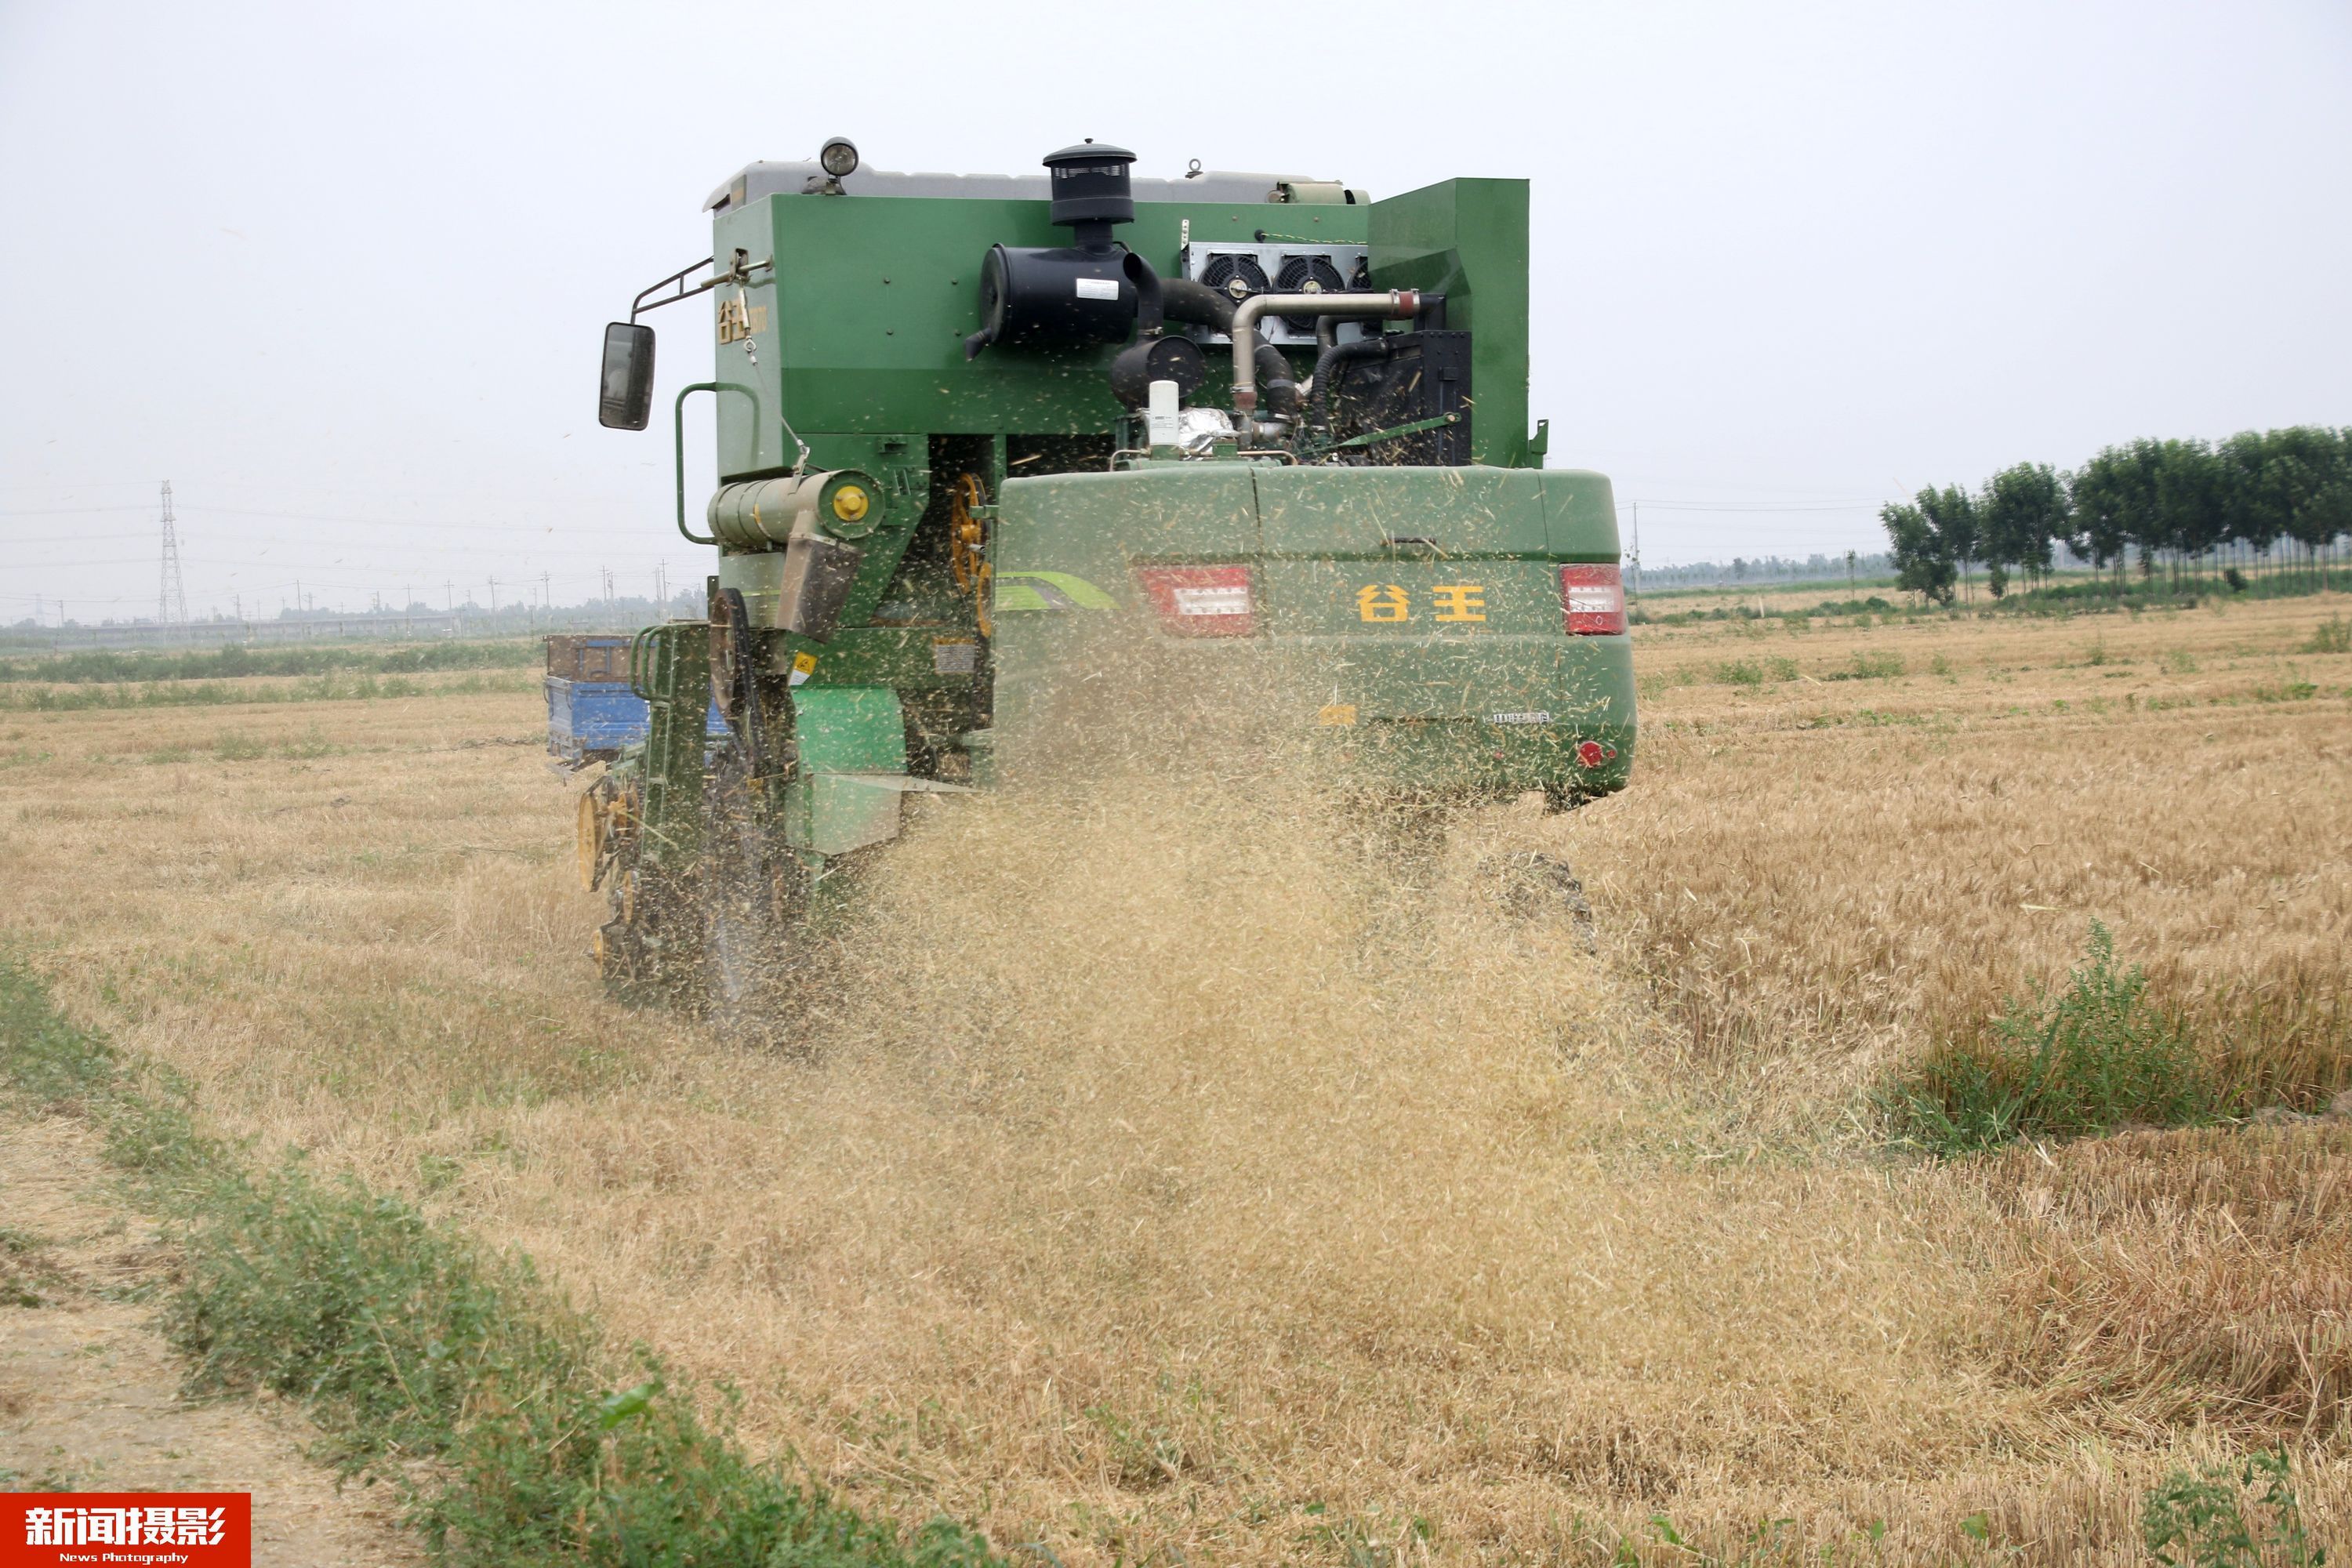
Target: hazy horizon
(339,277)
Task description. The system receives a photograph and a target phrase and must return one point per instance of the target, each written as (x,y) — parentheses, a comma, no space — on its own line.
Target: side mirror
(626,399)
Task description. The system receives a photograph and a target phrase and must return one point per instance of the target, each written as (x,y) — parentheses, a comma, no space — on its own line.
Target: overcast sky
(339,272)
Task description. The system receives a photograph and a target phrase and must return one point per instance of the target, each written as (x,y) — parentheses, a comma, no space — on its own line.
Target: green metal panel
(1467,239)
(1432,703)
(1329,512)
(906,658)
(1390,600)
(833,813)
(860,327)
(1581,514)
(1173,511)
(1064,547)
(1492,760)
(849,730)
(844,731)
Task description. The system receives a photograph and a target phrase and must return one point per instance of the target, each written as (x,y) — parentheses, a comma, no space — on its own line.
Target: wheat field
(1152,1173)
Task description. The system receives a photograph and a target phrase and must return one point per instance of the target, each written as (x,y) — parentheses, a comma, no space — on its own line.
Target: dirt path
(89,1393)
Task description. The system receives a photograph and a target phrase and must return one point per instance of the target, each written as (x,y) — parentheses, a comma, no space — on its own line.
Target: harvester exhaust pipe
(1396,305)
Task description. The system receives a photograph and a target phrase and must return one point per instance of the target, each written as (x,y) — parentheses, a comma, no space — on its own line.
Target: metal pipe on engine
(1397,304)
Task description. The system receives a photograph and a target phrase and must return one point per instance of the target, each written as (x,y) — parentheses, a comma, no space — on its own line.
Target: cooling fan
(1233,275)
(1308,275)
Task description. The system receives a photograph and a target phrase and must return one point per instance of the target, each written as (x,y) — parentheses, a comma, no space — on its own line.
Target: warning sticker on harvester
(804,666)
(955,657)
(1098,287)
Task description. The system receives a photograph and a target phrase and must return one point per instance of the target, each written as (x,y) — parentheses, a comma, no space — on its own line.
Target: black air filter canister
(1054,297)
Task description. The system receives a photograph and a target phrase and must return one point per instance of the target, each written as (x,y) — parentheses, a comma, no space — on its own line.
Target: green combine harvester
(1013,468)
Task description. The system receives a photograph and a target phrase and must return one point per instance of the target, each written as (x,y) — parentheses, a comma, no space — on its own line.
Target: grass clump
(25,1267)
(2332,634)
(1754,671)
(408,1344)
(2097,1056)
(2215,1518)
(1869,665)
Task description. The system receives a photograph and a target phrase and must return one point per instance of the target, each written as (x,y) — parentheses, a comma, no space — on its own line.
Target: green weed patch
(2097,1056)
(1869,664)
(1755,671)
(406,1342)
(2241,1515)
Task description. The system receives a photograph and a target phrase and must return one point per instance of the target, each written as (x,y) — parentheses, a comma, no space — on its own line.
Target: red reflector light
(1201,601)
(1593,597)
(1591,753)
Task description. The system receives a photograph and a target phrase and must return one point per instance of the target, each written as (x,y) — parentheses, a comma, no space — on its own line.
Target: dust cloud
(1202,1124)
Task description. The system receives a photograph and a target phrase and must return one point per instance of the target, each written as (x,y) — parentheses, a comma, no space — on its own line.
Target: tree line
(2277,497)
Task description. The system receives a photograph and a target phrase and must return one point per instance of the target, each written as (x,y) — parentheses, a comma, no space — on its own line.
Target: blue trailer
(593,711)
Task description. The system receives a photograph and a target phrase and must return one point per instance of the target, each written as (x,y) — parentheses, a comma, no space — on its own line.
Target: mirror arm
(738,272)
(678,426)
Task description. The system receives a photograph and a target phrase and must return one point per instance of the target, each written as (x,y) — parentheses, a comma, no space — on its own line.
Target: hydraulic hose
(1331,359)
(1186,301)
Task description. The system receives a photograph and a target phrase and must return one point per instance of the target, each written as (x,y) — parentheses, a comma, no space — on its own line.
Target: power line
(54,486)
(71,510)
(375,521)
(73,538)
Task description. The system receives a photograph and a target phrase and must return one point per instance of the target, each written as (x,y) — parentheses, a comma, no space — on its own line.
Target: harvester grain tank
(983,440)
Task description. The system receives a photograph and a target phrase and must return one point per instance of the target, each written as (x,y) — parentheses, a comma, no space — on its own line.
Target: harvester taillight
(1593,598)
(1201,601)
